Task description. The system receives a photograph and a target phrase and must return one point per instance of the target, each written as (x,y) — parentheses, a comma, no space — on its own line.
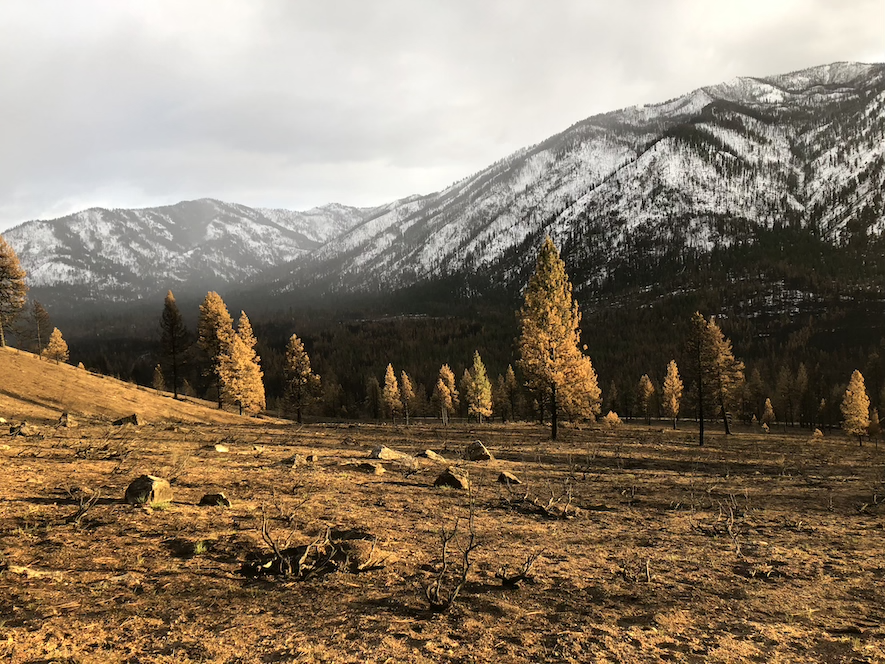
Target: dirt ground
(753,548)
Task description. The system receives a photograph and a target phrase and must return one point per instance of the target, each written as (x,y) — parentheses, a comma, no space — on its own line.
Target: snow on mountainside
(704,170)
(130,252)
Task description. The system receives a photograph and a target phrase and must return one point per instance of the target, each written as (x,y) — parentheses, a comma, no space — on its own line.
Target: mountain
(721,167)
(127,254)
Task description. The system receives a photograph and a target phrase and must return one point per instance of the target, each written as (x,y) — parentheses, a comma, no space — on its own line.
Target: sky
(298,103)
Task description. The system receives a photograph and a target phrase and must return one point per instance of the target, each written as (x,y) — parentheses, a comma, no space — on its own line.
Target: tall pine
(12,287)
(240,370)
(216,333)
(302,384)
(173,337)
(479,390)
(390,395)
(856,408)
(672,396)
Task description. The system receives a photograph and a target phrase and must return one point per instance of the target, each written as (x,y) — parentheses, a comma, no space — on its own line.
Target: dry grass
(752,549)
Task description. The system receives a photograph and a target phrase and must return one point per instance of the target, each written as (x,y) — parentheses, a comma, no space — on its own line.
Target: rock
(386,454)
(215,500)
(313,458)
(129,419)
(476,451)
(66,420)
(221,448)
(258,448)
(23,429)
(148,490)
(508,478)
(454,478)
(2,420)
(369,467)
(433,456)
(5,447)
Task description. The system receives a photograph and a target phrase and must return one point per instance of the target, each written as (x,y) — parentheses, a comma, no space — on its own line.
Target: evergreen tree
(466,387)
(42,324)
(374,398)
(549,335)
(158,382)
(672,392)
(501,405)
(12,288)
(479,390)
(875,427)
(216,332)
(390,396)
(644,392)
(442,400)
(57,348)
(448,377)
(301,383)
(511,389)
(173,337)
(856,408)
(407,395)
(580,395)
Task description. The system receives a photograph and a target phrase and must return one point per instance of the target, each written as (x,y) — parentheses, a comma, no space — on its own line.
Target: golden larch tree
(768,416)
(644,392)
(856,408)
(672,396)
(478,390)
(302,384)
(580,395)
(57,348)
(407,395)
(549,335)
(390,395)
(216,334)
(13,289)
(445,395)
(241,377)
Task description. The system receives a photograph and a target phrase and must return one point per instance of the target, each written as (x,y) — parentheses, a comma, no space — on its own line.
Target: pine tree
(644,392)
(158,382)
(173,337)
(500,401)
(390,396)
(511,386)
(856,408)
(374,398)
(13,289)
(302,384)
(768,417)
(448,377)
(407,395)
(549,335)
(672,392)
(580,396)
(216,332)
(875,427)
(42,324)
(479,390)
(466,387)
(57,348)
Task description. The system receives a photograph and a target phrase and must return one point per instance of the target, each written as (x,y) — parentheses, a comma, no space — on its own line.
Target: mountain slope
(193,244)
(710,169)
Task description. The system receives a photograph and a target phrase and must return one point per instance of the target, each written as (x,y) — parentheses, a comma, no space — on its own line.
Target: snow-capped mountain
(621,192)
(709,169)
(126,253)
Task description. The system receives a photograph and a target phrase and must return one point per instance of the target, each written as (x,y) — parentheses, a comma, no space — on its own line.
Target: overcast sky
(296,103)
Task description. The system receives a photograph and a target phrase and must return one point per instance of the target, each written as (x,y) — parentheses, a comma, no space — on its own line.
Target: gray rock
(67,420)
(433,456)
(454,478)
(476,451)
(508,478)
(129,419)
(386,454)
(215,499)
(148,490)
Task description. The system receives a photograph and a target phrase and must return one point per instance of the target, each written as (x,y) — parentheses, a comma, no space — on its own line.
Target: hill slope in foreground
(38,391)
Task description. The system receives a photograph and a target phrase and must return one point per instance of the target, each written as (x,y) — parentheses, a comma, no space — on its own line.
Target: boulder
(215,500)
(313,458)
(433,456)
(221,448)
(454,478)
(67,420)
(148,490)
(386,454)
(129,419)
(23,429)
(476,451)
(370,468)
(508,478)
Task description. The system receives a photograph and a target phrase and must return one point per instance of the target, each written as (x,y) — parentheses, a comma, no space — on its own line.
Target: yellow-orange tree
(12,287)
(550,356)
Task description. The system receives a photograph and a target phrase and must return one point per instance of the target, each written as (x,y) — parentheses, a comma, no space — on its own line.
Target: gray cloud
(298,103)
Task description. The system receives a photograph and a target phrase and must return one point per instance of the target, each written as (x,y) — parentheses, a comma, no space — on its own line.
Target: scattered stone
(433,456)
(215,500)
(23,429)
(476,451)
(5,447)
(148,490)
(349,440)
(221,448)
(2,420)
(66,420)
(454,478)
(129,419)
(369,467)
(313,458)
(386,454)
(258,448)
(508,478)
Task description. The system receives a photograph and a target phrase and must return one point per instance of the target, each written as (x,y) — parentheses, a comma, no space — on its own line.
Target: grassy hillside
(39,391)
